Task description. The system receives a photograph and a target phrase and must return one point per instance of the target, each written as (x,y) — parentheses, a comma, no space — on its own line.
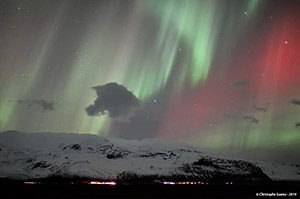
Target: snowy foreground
(32,156)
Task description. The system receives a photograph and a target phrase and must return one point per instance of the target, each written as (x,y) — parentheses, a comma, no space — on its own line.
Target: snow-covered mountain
(45,155)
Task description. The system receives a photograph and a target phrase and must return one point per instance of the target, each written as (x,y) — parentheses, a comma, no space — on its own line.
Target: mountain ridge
(113,159)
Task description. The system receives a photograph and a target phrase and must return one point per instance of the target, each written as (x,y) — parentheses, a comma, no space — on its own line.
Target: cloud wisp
(296,102)
(238,83)
(43,104)
(251,119)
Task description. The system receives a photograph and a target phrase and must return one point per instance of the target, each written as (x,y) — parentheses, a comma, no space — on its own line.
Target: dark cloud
(240,83)
(43,104)
(251,119)
(113,99)
(296,102)
(262,109)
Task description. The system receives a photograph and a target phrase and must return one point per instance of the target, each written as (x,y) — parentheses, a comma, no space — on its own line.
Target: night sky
(223,74)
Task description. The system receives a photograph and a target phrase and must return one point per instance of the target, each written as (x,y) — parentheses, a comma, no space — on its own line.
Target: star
(286,42)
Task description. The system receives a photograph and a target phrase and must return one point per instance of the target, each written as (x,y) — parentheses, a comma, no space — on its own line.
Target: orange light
(103,183)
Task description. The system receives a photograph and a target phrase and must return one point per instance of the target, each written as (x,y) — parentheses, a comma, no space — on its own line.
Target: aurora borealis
(222,74)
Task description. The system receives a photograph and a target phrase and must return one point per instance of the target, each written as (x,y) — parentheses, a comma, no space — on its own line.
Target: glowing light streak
(103,183)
